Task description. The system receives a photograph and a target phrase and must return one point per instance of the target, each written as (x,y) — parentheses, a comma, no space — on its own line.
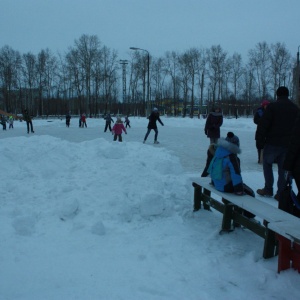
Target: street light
(148,76)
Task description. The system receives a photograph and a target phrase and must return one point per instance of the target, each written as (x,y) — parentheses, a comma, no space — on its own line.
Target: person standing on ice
(108,120)
(257,117)
(213,123)
(27,118)
(68,118)
(117,130)
(153,118)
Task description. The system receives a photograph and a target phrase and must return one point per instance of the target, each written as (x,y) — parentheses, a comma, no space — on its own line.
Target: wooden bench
(280,230)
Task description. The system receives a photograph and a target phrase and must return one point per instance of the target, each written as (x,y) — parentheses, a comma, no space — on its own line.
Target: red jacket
(118,128)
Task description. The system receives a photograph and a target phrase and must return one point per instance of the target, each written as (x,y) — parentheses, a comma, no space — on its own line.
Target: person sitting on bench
(225,170)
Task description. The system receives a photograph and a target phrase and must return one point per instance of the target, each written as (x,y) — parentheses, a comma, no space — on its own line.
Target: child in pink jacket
(117,129)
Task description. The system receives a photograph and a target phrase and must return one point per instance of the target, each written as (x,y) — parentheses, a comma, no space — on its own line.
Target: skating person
(11,122)
(212,125)
(27,118)
(3,122)
(117,130)
(108,120)
(68,119)
(83,120)
(127,122)
(153,118)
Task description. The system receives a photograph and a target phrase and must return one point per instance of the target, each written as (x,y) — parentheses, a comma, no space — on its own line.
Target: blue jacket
(225,169)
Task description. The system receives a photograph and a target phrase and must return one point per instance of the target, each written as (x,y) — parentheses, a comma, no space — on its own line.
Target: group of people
(277,142)
(9,120)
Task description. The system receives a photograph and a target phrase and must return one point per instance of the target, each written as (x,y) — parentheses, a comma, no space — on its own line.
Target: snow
(83,217)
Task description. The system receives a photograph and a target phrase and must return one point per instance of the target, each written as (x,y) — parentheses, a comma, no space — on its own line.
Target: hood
(225,148)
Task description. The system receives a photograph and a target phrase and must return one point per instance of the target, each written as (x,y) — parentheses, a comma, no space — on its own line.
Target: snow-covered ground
(83,217)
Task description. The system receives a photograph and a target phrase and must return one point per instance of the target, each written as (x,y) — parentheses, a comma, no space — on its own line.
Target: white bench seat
(278,226)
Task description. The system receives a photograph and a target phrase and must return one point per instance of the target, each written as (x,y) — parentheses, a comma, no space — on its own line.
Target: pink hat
(265,103)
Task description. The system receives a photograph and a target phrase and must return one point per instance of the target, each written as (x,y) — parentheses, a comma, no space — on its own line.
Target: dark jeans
(148,131)
(107,125)
(31,127)
(274,154)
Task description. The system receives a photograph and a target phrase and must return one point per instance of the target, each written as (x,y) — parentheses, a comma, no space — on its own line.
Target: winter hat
(282,91)
(265,103)
(231,138)
(119,120)
(155,109)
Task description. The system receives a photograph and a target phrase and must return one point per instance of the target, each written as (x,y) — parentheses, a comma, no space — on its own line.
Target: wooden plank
(279,221)
(255,206)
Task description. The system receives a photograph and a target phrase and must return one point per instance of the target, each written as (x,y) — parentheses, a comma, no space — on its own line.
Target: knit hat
(155,109)
(231,138)
(282,91)
(265,103)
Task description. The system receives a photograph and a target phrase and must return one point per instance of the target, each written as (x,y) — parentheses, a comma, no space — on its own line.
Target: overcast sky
(155,25)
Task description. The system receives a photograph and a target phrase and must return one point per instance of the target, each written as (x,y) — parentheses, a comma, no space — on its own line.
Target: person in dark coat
(108,120)
(3,121)
(292,158)
(127,122)
(210,154)
(68,118)
(257,117)
(273,134)
(27,118)
(153,118)
(212,125)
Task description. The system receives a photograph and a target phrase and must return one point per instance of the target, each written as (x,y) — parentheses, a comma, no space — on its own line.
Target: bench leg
(197,197)
(270,245)
(227,216)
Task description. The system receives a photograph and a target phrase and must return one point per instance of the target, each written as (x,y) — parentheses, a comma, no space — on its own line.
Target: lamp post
(148,76)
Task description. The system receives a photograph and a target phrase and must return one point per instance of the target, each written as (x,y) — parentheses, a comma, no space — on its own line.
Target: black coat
(292,159)
(213,123)
(154,116)
(276,124)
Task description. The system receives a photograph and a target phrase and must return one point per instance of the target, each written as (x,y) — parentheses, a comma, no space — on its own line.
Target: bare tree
(237,73)
(280,65)
(10,63)
(87,48)
(172,69)
(259,58)
(216,58)
(185,76)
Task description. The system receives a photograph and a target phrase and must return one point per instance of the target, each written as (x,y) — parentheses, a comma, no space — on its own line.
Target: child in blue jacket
(225,170)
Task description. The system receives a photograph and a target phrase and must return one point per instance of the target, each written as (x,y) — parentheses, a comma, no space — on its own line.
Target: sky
(157,25)
(83,217)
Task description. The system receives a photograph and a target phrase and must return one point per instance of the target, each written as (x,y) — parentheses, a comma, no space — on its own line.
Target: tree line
(90,77)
